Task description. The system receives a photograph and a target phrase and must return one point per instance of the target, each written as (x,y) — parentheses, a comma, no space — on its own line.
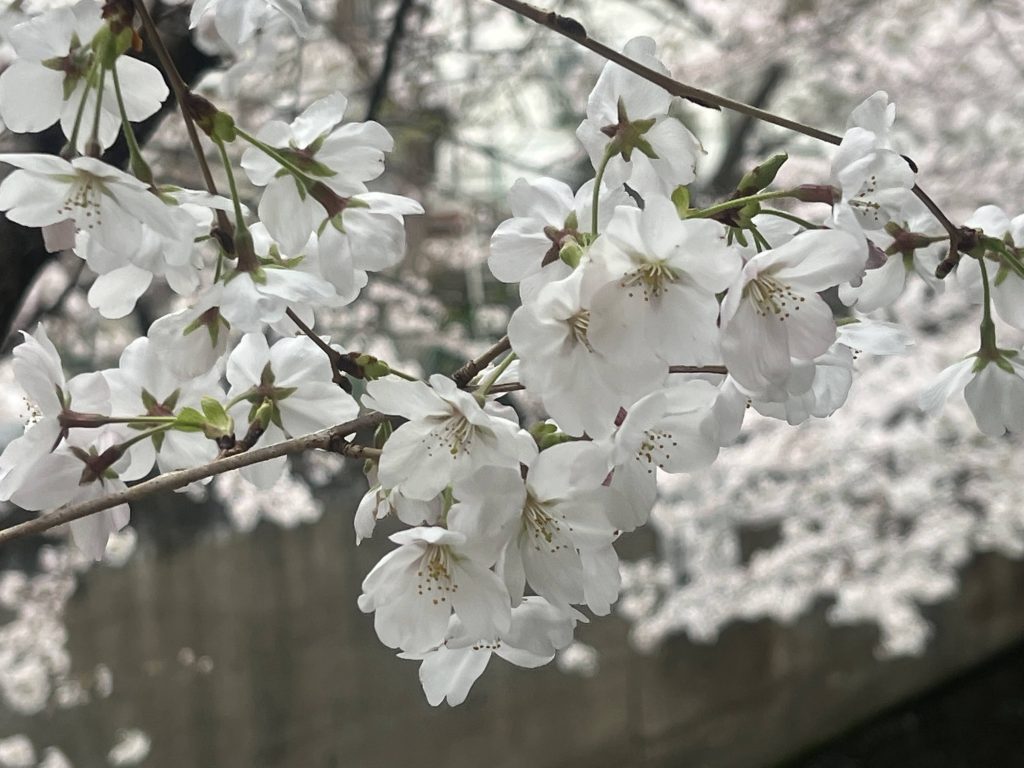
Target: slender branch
(354,451)
(465,374)
(327,439)
(340,364)
(698,369)
(571,28)
(515,386)
(575,31)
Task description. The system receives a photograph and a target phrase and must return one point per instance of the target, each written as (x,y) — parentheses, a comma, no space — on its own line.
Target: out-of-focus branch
(728,171)
(380,85)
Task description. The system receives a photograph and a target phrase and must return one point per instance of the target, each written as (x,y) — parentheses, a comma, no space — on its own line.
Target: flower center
(579,324)
(454,436)
(653,449)
(83,202)
(862,200)
(542,528)
(651,277)
(772,297)
(435,574)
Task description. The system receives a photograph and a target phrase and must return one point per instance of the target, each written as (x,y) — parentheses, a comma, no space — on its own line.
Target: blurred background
(823,596)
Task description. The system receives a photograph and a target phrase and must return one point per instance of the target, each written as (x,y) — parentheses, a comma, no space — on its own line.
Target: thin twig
(515,386)
(326,439)
(575,31)
(340,364)
(465,374)
(698,369)
(354,451)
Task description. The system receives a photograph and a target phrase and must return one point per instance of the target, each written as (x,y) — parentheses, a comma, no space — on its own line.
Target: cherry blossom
(772,312)
(238,20)
(52,78)
(109,204)
(537,631)
(143,384)
(580,387)
(653,280)
(629,120)
(286,389)
(413,590)
(449,436)
(546,217)
(48,395)
(194,339)
(993,389)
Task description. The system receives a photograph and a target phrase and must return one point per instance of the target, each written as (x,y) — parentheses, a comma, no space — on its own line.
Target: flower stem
(235,201)
(494,375)
(138,165)
(142,436)
(402,374)
(276,156)
(796,219)
(73,139)
(93,147)
(988,328)
(595,200)
(739,202)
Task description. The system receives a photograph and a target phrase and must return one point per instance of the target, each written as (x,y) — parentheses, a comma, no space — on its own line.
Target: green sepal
(571,253)
(149,401)
(189,420)
(681,199)
(104,46)
(372,367)
(760,176)
(264,413)
(545,435)
(218,421)
(222,128)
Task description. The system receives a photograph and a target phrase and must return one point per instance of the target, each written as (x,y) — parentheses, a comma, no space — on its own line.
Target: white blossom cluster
(875,510)
(648,328)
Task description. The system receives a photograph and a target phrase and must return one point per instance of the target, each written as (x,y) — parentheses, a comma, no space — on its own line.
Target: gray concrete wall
(299,678)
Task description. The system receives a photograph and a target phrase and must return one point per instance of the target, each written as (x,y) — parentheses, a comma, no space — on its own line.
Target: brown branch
(323,440)
(354,451)
(515,386)
(698,369)
(465,374)
(340,364)
(571,28)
